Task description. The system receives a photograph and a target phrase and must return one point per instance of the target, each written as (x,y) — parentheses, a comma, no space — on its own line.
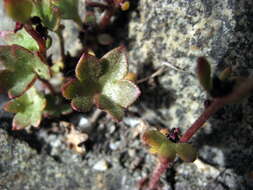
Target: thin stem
(155,74)
(161,167)
(215,106)
(62,48)
(36,36)
(96,4)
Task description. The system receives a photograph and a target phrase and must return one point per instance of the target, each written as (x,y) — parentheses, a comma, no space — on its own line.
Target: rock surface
(167,34)
(172,34)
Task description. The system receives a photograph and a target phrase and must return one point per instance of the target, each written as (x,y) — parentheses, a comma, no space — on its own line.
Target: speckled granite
(176,32)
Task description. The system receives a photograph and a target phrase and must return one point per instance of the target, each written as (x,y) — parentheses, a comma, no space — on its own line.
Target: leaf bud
(203,71)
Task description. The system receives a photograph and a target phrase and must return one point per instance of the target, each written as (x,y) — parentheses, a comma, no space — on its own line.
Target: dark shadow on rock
(153,96)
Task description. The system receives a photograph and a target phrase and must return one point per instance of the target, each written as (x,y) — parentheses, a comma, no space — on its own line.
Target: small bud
(186,152)
(203,71)
(154,138)
(131,76)
(125,6)
(167,150)
(18,10)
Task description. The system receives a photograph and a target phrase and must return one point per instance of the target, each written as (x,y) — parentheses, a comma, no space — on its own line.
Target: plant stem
(36,36)
(161,167)
(215,106)
(62,48)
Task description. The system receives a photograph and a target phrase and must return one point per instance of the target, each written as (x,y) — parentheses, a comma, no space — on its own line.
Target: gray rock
(172,34)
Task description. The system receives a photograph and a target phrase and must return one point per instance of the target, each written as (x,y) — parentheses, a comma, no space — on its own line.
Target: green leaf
(20,69)
(115,110)
(203,71)
(101,81)
(114,65)
(154,138)
(121,92)
(186,152)
(28,109)
(21,38)
(68,9)
(88,68)
(167,150)
(56,106)
(48,12)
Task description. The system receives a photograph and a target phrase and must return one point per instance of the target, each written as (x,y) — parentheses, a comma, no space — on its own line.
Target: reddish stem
(215,106)
(36,36)
(96,4)
(161,167)
(105,20)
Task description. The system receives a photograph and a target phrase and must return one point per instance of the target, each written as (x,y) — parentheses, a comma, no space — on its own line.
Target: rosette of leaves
(28,109)
(19,68)
(101,82)
(166,149)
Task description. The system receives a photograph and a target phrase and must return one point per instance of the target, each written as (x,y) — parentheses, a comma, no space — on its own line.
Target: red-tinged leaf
(114,65)
(20,69)
(102,81)
(21,38)
(82,103)
(28,109)
(203,71)
(88,68)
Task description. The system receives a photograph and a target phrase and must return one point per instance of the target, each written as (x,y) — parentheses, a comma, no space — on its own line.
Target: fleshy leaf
(186,152)
(28,109)
(82,103)
(21,38)
(48,12)
(203,71)
(114,65)
(68,9)
(88,68)
(167,150)
(115,110)
(154,138)
(121,92)
(20,68)
(101,81)
(56,106)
